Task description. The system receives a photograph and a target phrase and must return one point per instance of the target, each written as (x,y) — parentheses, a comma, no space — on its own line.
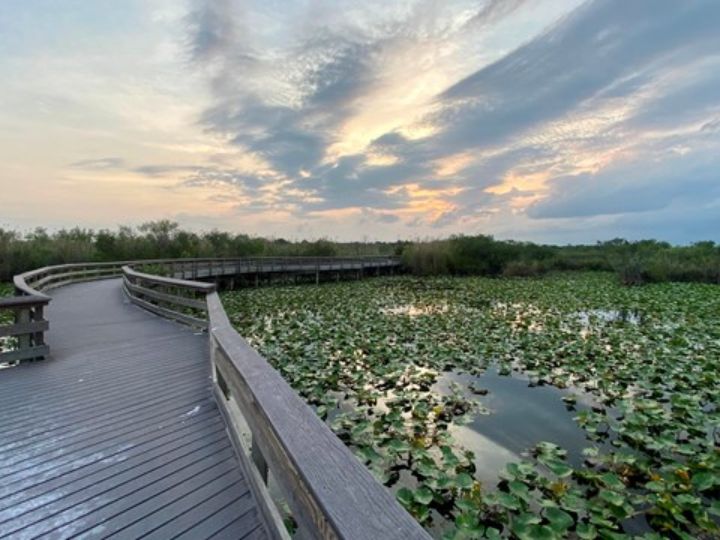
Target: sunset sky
(546,120)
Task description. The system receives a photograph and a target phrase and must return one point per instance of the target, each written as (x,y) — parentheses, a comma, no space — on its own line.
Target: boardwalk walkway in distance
(117,433)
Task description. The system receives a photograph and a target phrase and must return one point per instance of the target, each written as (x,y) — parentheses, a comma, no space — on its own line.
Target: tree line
(644,261)
(634,262)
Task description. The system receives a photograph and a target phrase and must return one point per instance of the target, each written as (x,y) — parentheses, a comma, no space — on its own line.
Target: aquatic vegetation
(637,368)
(6,289)
(6,316)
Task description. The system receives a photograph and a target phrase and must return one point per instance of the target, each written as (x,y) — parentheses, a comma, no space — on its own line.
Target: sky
(554,121)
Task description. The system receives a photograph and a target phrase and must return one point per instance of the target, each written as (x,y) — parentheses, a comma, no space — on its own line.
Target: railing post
(22,316)
(37,316)
(259,461)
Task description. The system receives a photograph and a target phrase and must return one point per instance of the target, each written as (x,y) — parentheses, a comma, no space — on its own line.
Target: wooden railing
(24,338)
(279,438)
(172,298)
(329,491)
(184,301)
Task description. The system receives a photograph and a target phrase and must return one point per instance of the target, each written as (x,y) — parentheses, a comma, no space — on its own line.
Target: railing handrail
(170,281)
(331,493)
(19,301)
(30,285)
(20,280)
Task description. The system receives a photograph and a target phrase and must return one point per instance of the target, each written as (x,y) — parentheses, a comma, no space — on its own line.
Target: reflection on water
(520,417)
(609,315)
(412,310)
(7,344)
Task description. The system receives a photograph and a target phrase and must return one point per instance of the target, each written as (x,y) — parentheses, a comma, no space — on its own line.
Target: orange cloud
(450,165)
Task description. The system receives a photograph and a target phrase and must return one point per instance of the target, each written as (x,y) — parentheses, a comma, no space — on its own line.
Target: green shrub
(427,258)
(524,268)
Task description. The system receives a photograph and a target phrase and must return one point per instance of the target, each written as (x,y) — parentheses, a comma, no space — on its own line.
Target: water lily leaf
(421,513)
(424,495)
(560,521)
(466,505)
(615,499)
(506,500)
(655,486)
(573,503)
(533,532)
(449,457)
(519,489)
(427,468)
(703,481)
(526,519)
(405,496)
(368,453)
(612,481)
(464,481)
(398,446)
(586,531)
(469,522)
(558,467)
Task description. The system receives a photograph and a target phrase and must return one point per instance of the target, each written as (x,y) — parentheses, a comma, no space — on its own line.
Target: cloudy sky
(547,120)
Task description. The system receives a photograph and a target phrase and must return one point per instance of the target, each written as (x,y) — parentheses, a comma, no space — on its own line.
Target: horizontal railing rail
(330,492)
(25,339)
(279,438)
(173,295)
(22,328)
(177,299)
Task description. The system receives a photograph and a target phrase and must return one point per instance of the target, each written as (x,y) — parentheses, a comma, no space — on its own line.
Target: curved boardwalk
(117,433)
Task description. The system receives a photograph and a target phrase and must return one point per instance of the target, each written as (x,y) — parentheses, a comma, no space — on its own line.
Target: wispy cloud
(547,120)
(99,164)
(562,108)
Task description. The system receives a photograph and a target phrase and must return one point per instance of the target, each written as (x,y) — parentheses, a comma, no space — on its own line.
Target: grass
(6,316)
(6,289)
(367,357)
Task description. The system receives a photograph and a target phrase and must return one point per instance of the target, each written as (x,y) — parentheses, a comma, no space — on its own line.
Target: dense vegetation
(369,357)
(6,289)
(156,240)
(635,262)
(6,315)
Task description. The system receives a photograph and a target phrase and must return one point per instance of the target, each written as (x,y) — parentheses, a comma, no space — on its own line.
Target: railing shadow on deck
(278,437)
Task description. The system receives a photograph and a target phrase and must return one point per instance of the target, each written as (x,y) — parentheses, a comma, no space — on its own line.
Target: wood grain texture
(117,432)
(331,493)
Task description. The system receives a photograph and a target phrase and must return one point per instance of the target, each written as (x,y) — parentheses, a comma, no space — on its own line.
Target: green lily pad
(423,495)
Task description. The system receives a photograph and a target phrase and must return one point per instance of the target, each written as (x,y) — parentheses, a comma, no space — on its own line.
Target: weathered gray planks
(331,493)
(170,297)
(117,433)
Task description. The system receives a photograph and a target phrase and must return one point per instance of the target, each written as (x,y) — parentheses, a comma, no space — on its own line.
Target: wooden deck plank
(185,512)
(116,473)
(117,432)
(55,449)
(96,412)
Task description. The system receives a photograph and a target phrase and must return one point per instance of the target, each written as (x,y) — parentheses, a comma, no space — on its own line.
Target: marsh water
(519,416)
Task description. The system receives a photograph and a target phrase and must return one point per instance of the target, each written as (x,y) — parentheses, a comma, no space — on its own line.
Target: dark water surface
(520,416)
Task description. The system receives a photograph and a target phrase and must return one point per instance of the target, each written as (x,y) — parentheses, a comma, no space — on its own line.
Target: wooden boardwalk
(117,434)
